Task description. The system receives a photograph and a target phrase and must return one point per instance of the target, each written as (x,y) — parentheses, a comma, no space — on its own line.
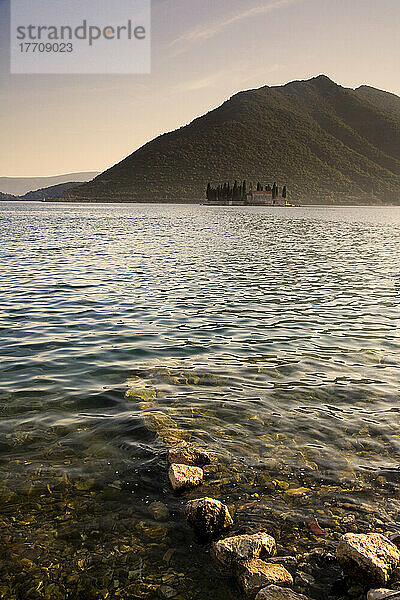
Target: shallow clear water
(269,336)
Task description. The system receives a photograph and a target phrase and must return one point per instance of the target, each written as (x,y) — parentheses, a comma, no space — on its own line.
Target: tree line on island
(238,192)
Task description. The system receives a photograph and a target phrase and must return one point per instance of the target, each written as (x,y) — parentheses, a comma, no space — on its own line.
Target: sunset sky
(203,51)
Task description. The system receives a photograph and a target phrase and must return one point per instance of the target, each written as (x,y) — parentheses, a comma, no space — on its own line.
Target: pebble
(165,591)
(159,511)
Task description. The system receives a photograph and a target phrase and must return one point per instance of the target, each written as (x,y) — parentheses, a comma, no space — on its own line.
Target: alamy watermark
(80,36)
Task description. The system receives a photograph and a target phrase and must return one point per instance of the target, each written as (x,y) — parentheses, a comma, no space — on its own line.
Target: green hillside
(53,191)
(326,142)
(7,196)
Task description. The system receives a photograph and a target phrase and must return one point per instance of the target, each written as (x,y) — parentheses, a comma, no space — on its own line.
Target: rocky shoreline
(367,561)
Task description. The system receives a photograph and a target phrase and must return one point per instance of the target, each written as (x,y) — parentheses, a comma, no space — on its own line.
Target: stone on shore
(383,594)
(209,517)
(184,477)
(369,558)
(273,592)
(187,454)
(253,575)
(240,547)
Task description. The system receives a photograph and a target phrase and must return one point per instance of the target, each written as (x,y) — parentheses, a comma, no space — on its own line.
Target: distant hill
(7,197)
(326,142)
(54,191)
(19,186)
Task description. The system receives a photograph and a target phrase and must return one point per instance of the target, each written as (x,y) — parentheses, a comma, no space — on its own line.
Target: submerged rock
(187,454)
(159,511)
(253,575)
(165,591)
(273,592)
(241,547)
(383,594)
(184,477)
(209,517)
(369,558)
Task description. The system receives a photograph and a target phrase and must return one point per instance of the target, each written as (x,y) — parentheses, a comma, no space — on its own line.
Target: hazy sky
(203,51)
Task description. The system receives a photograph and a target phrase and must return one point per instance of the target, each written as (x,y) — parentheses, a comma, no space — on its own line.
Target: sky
(203,51)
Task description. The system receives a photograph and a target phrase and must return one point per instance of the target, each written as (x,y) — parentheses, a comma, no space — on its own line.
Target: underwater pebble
(165,591)
(304,578)
(208,516)
(240,547)
(255,574)
(367,557)
(159,511)
(184,477)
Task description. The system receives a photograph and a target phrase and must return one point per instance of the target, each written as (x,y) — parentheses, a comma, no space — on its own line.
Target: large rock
(273,592)
(241,547)
(184,477)
(253,575)
(369,558)
(209,517)
(187,454)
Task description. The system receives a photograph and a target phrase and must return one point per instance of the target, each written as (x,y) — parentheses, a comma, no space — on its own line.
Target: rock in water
(183,477)
(253,575)
(209,517)
(369,558)
(273,592)
(241,547)
(187,454)
(159,511)
(383,594)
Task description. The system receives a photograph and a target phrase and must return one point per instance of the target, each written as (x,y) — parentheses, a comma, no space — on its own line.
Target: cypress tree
(235,191)
(258,186)
(284,192)
(208,192)
(244,190)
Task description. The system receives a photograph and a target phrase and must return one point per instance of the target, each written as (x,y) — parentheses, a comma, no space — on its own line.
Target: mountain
(7,197)
(18,186)
(53,191)
(324,141)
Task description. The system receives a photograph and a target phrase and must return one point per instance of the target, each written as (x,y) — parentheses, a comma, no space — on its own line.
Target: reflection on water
(269,336)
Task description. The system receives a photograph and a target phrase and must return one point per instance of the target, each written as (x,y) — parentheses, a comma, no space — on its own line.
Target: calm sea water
(268,336)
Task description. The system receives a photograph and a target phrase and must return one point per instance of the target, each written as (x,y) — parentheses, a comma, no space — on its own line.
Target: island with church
(241,194)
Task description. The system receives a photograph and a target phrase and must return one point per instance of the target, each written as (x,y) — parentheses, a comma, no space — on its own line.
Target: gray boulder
(240,547)
(369,558)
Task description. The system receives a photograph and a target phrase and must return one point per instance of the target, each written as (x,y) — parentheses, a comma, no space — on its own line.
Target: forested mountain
(325,142)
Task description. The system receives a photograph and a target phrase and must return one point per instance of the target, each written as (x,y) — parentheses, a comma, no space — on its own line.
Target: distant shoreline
(184,203)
